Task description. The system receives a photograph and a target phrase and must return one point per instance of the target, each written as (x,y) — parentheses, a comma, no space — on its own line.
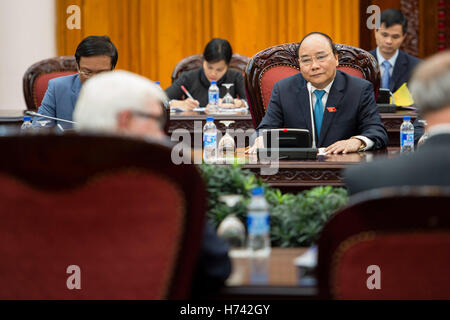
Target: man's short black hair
(97,46)
(218,49)
(392,17)
(333,47)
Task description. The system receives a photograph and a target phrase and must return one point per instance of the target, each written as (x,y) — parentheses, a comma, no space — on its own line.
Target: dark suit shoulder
(411,59)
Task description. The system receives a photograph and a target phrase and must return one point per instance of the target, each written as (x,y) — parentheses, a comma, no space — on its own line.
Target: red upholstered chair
(117,208)
(281,61)
(238,62)
(35,79)
(403,231)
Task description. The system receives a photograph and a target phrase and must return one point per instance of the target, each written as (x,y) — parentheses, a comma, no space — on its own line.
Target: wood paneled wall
(153,35)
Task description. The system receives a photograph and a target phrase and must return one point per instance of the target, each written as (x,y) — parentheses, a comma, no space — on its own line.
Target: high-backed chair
(281,61)
(397,236)
(35,79)
(238,62)
(117,208)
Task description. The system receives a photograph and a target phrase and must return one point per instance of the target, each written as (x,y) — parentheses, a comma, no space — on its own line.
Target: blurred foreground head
(430,88)
(121,102)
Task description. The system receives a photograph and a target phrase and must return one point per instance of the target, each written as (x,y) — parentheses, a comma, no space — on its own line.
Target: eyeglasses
(319,58)
(90,73)
(159,118)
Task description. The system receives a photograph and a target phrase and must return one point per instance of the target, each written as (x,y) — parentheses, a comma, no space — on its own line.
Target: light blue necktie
(386,74)
(318,110)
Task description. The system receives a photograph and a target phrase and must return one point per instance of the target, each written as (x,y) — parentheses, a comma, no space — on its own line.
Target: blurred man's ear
(124,119)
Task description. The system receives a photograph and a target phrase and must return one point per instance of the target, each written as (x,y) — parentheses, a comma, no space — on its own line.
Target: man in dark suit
(399,64)
(389,38)
(345,114)
(430,164)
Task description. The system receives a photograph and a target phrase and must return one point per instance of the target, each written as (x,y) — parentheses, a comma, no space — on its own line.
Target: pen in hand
(186,92)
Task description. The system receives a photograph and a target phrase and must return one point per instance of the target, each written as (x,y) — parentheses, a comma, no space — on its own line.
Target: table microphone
(35,114)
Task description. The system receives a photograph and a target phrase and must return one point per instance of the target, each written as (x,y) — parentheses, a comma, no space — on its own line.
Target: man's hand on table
(344,146)
(258,144)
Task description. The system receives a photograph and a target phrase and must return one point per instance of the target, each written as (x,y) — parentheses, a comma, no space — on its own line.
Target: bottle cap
(406,118)
(214,82)
(258,191)
(158,82)
(26,118)
(209,118)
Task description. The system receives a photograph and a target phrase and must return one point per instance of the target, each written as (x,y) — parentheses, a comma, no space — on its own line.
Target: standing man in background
(396,65)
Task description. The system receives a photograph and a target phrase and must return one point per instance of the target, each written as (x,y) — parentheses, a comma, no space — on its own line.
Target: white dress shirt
(391,61)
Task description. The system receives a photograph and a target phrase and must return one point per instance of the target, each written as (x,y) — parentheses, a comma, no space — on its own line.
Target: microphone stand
(35,114)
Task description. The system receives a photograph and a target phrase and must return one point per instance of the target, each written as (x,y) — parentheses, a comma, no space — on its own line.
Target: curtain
(152,36)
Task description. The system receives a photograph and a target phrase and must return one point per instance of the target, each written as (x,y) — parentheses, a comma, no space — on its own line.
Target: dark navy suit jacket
(429,165)
(404,66)
(350,110)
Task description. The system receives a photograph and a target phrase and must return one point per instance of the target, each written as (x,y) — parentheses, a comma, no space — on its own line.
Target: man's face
(215,70)
(317,61)
(142,123)
(389,39)
(90,66)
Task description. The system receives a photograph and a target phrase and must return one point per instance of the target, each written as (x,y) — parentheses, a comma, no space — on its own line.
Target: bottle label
(258,224)
(406,139)
(209,139)
(213,97)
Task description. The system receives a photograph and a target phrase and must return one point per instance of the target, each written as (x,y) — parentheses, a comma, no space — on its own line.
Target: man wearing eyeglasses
(127,104)
(339,110)
(95,54)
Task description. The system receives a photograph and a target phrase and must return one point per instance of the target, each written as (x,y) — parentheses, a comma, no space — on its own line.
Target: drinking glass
(43,123)
(227,147)
(231,229)
(228,99)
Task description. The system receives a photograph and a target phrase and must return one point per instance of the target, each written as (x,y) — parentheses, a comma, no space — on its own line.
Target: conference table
(278,279)
(193,121)
(297,175)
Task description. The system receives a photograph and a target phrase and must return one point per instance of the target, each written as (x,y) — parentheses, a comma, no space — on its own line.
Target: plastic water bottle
(258,225)
(406,135)
(26,125)
(209,141)
(213,97)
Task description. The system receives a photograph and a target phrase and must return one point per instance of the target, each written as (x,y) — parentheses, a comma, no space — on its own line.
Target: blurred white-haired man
(430,164)
(121,102)
(124,103)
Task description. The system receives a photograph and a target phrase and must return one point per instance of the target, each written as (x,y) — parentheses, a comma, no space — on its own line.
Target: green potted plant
(296,219)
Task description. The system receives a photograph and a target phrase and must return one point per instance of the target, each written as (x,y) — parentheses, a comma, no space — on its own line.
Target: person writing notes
(216,59)
(94,54)
(337,108)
